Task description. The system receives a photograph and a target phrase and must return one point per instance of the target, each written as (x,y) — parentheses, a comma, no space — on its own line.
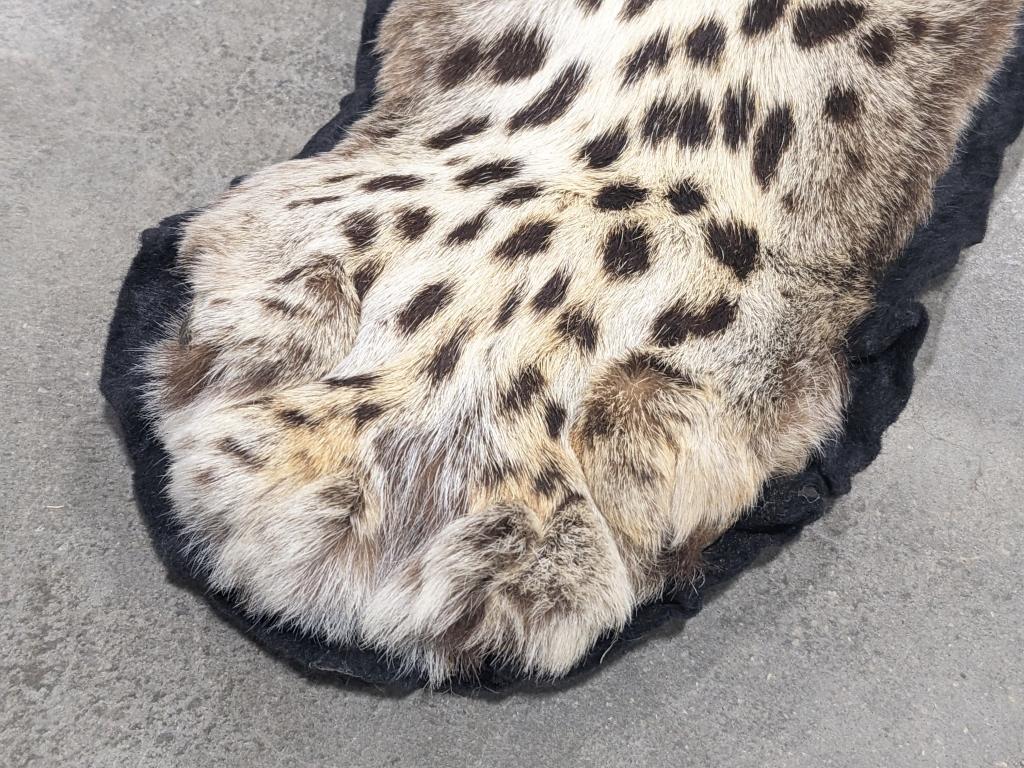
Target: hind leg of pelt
(273,497)
(273,299)
(672,458)
(668,465)
(288,506)
(508,583)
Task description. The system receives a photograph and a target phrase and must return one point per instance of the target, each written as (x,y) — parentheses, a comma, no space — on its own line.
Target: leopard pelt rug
(493,372)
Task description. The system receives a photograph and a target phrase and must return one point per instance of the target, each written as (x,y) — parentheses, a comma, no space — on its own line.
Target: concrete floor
(890,634)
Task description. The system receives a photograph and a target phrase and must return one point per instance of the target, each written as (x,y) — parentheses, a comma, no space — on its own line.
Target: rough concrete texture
(890,634)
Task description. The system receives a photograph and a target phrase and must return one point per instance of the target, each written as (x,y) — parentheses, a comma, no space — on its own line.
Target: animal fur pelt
(498,364)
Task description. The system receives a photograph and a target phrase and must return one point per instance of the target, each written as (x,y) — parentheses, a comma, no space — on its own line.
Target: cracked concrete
(889,634)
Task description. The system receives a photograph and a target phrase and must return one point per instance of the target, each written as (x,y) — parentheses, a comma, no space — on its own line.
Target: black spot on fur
(517,54)
(554,418)
(589,6)
(771,143)
(818,24)
(526,386)
(627,251)
(444,360)
(413,222)
(552,293)
(281,306)
(365,276)
(467,230)
(549,482)
(918,27)
(634,8)
(340,178)
(762,15)
(606,148)
(528,240)
(247,456)
(854,159)
(356,381)
(689,122)
(738,111)
(321,276)
(879,46)
(553,102)
(361,229)
(597,421)
(383,128)
(620,197)
(313,201)
(293,417)
(489,173)
(365,413)
(458,133)
(577,326)
(661,120)
(842,105)
(735,245)
(705,44)
(508,308)
(394,181)
(427,302)
(461,64)
(678,323)
(652,55)
(204,478)
(686,197)
(519,194)
(495,472)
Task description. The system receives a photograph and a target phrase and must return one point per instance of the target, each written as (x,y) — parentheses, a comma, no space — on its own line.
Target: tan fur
(420,405)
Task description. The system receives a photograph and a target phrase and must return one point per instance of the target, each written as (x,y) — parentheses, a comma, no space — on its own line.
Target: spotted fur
(477,382)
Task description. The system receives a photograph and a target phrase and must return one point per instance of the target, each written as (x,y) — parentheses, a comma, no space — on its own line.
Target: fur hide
(584,287)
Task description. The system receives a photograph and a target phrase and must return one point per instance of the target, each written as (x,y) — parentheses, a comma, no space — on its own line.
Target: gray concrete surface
(890,634)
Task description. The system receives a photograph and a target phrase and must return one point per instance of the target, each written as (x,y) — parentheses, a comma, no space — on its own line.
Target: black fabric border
(881,351)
